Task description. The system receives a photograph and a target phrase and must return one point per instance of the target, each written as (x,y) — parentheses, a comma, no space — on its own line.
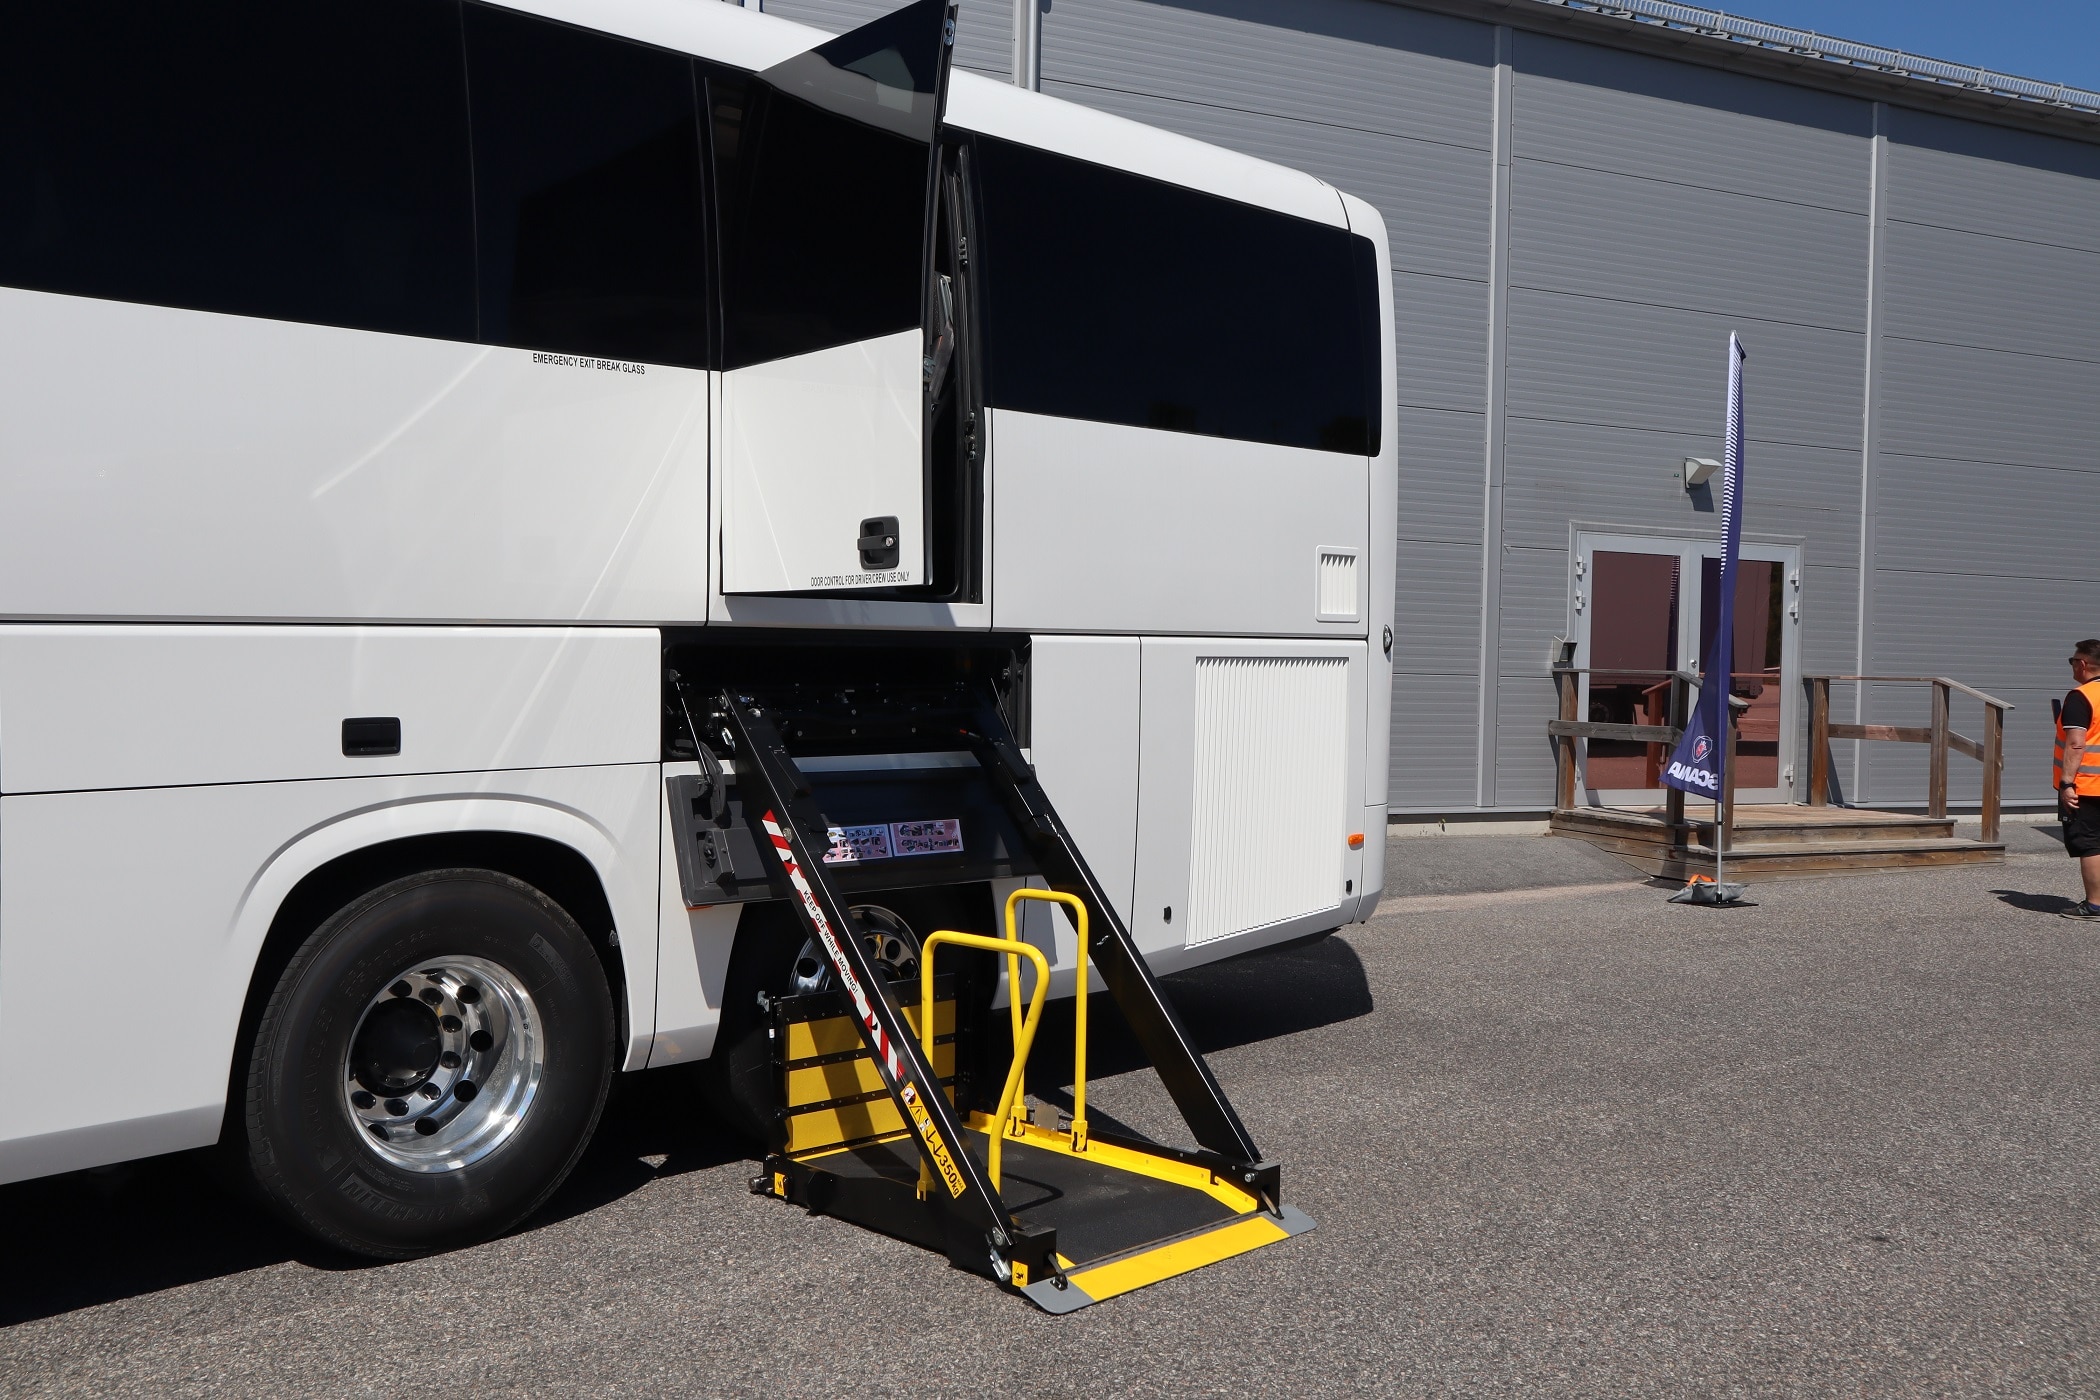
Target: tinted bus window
(303,161)
(821,166)
(1112,297)
(587,176)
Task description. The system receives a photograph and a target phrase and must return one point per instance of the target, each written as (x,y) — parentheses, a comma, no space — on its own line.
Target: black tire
(738,1082)
(309,1155)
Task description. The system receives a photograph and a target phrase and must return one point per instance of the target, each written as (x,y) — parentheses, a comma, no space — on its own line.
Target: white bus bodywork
(222,535)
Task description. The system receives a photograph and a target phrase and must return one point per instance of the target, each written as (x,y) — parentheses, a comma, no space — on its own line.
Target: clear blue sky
(2055,40)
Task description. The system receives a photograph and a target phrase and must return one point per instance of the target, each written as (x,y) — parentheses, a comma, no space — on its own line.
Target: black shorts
(2081,825)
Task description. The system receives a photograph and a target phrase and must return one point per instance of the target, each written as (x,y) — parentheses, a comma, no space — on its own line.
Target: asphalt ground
(1579,1143)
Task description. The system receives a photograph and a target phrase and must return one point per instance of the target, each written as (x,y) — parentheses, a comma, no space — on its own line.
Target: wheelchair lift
(869,1129)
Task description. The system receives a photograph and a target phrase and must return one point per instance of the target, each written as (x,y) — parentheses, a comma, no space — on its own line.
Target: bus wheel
(430,1066)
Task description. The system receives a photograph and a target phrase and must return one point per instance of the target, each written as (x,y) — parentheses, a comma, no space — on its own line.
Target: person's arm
(2074,754)
(2074,748)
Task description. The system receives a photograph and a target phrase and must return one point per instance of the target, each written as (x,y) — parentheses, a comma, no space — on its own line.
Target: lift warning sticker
(936,1148)
(926,838)
(850,845)
(857,845)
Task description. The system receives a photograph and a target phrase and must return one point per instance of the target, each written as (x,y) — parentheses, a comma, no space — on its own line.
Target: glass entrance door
(1646,604)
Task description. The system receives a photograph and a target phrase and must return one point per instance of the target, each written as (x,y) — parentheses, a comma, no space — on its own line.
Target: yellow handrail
(1079,996)
(1024,1026)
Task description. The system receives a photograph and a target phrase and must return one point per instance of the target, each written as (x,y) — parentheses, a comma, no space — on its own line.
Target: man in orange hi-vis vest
(2078,775)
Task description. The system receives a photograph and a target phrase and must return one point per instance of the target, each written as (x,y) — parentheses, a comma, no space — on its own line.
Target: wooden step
(1778,846)
(1872,827)
(1766,825)
(1797,864)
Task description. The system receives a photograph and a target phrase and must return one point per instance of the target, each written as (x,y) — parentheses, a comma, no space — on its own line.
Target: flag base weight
(1701,889)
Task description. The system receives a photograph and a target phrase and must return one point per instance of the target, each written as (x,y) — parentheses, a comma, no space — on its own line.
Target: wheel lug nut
(469,994)
(450,1024)
(449,1060)
(362,1098)
(397,1107)
(425,1126)
(431,995)
(481,1040)
(378,1132)
(465,1091)
(400,989)
(430,1091)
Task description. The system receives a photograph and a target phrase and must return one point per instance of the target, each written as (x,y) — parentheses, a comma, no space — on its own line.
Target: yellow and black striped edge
(1125,1159)
(831,1091)
(839,1035)
(1118,1274)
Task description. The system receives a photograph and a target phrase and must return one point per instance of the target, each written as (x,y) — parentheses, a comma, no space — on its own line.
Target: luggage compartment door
(825,170)
(1251,770)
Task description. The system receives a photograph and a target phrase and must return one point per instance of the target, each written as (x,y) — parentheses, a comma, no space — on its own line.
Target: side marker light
(1356,840)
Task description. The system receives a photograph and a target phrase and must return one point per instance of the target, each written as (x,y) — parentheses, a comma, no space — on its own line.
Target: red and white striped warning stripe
(884,1050)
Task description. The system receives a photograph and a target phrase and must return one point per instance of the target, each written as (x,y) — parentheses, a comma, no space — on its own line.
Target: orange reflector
(1356,840)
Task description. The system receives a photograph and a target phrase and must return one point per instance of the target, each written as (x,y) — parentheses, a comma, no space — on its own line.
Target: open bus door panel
(827,166)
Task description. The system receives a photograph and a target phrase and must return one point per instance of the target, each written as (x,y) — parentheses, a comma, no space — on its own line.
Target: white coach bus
(403,401)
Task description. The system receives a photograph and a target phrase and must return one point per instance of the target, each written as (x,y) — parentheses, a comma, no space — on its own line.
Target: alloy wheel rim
(444,1065)
(892,946)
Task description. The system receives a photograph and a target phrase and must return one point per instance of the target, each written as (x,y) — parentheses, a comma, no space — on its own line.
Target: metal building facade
(1580,213)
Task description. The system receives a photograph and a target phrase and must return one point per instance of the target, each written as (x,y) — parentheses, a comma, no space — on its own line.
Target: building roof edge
(1800,56)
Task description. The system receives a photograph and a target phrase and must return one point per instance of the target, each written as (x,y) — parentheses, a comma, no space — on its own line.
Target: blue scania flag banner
(1696,767)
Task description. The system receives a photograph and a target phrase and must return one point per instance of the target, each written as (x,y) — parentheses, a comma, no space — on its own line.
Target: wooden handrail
(1939,735)
(1566,730)
(1919,680)
(1692,676)
(1599,729)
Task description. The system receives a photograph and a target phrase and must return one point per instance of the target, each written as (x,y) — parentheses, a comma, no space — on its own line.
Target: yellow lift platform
(869,1129)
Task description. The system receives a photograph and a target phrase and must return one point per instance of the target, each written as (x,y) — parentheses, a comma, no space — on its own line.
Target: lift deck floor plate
(1123,1218)
(1097,1211)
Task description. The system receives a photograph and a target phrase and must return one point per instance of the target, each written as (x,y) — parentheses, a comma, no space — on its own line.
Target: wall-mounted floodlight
(1697,470)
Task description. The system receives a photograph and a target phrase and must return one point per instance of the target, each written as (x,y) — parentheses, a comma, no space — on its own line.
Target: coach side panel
(163,788)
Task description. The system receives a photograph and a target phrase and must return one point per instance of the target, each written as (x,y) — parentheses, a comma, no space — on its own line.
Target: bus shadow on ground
(1263,996)
(94,1237)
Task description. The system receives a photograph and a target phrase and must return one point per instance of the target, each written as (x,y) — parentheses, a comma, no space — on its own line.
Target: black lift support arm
(790,816)
(1111,948)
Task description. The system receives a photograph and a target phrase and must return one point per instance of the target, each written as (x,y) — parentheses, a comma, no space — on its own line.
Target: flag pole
(1705,756)
(1720,846)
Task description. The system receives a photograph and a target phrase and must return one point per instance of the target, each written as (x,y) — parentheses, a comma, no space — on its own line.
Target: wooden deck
(1777,841)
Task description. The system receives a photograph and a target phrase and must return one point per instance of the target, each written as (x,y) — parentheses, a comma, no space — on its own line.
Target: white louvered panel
(1271,751)
(1337,585)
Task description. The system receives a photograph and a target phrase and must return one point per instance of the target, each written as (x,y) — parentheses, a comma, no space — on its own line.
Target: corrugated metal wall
(984,29)
(1654,208)
(1651,207)
(1988,424)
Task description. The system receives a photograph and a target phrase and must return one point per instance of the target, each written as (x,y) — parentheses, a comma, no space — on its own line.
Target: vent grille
(1337,585)
(1271,738)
